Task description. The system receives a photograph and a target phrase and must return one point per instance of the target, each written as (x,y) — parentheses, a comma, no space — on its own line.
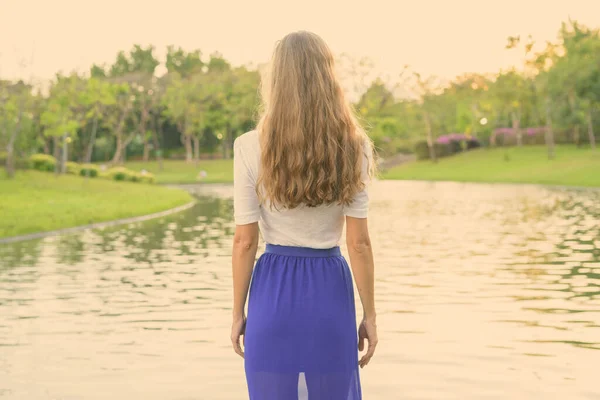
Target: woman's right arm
(363,269)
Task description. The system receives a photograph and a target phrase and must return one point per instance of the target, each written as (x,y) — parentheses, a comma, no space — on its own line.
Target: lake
(483,292)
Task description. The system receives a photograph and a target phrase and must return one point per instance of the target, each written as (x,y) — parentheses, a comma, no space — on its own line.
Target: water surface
(483,292)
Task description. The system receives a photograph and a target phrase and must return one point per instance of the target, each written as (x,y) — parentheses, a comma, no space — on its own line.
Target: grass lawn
(176,171)
(38,201)
(528,164)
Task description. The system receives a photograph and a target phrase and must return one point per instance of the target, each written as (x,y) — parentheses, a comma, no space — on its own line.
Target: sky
(435,37)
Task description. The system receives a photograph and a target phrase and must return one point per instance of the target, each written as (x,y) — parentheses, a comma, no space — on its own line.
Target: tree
(116,118)
(235,99)
(138,60)
(16,102)
(59,119)
(97,98)
(136,71)
(182,105)
(184,63)
(581,59)
(425,89)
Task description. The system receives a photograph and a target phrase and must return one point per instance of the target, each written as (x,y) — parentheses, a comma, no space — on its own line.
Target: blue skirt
(301,339)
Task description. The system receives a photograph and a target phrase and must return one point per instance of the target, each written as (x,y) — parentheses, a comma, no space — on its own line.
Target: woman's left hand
(238,328)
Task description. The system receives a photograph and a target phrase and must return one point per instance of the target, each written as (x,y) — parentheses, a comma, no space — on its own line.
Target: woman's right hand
(238,328)
(367,330)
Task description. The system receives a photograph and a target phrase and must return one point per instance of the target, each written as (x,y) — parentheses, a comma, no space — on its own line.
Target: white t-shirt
(316,227)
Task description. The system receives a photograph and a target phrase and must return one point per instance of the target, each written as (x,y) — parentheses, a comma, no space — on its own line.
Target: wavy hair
(312,146)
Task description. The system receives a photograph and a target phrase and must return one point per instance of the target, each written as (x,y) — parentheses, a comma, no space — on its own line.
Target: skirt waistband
(296,251)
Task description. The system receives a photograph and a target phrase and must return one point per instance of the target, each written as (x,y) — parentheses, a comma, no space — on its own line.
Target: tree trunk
(576,137)
(157,148)
(121,144)
(229,146)
(430,143)
(10,150)
(549,133)
(124,153)
(56,154)
(10,147)
(119,149)
(46,146)
(516,124)
(90,147)
(187,141)
(10,163)
(63,159)
(196,150)
(143,122)
(591,131)
(146,155)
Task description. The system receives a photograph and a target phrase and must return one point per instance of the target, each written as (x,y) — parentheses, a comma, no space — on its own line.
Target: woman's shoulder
(247,141)
(247,147)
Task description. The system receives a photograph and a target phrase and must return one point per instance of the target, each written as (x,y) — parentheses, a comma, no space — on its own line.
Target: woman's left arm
(245,244)
(245,240)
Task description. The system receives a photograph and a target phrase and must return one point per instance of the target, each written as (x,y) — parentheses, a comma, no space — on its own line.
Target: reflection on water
(484,292)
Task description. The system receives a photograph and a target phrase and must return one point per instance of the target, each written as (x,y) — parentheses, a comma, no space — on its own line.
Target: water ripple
(483,291)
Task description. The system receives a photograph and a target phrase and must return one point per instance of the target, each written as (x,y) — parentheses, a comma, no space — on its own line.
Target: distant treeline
(122,111)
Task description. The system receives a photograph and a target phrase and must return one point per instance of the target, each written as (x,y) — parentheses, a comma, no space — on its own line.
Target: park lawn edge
(572,168)
(25,200)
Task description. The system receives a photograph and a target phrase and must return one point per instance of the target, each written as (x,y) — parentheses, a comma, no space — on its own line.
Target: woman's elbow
(360,244)
(245,239)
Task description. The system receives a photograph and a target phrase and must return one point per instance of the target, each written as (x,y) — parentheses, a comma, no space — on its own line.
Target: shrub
(119,173)
(454,146)
(422,150)
(442,150)
(123,174)
(134,176)
(147,178)
(19,162)
(473,144)
(73,168)
(89,169)
(42,162)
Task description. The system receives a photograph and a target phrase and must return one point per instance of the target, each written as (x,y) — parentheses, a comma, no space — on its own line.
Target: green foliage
(42,162)
(422,150)
(441,149)
(139,59)
(124,174)
(118,174)
(147,178)
(217,171)
(20,163)
(90,170)
(73,168)
(123,110)
(183,63)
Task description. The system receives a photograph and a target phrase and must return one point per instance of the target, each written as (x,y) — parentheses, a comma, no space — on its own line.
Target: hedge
(90,170)
(42,162)
(124,174)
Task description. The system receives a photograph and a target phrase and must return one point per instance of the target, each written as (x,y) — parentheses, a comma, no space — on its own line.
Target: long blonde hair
(312,146)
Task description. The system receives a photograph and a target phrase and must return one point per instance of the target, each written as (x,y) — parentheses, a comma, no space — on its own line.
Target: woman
(297,177)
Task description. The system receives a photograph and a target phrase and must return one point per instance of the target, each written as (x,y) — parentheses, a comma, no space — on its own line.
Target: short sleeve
(246,208)
(359,206)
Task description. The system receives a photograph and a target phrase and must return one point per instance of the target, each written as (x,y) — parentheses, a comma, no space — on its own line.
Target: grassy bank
(38,201)
(529,164)
(217,171)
